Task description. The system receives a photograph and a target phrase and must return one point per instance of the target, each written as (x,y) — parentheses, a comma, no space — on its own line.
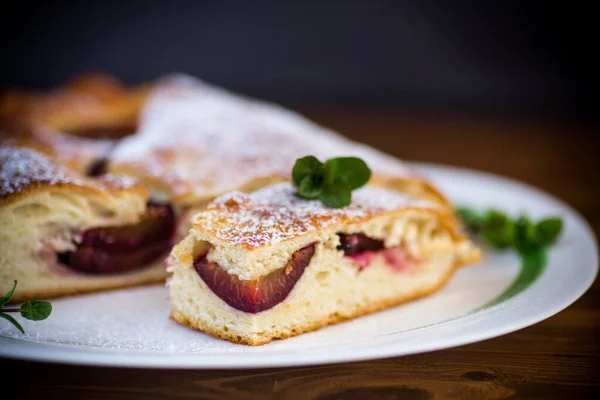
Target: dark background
(439,56)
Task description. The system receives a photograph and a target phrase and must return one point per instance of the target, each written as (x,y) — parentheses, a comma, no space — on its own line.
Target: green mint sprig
(35,310)
(331,182)
(520,234)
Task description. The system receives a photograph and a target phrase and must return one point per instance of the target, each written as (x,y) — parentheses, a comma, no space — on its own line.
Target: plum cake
(63,233)
(270,265)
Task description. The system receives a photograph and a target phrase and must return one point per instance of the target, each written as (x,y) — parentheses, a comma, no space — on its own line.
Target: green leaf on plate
(36,310)
(5,299)
(547,231)
(471,219)
(523,236)
(498,229)
(12,321)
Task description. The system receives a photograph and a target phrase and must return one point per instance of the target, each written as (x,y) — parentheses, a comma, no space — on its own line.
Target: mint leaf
(6,298)
(498,229)
(499,239)
(495,219)
(304,167)
(523,236)
(336,194)
(354,170)
(13,321)
(309,188)
(332,182)
(36,310)
(529,240)
(546,231)
(471,219)
(534,259)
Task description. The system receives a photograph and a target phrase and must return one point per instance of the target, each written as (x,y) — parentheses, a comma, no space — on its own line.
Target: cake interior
(55,244)
(347,272)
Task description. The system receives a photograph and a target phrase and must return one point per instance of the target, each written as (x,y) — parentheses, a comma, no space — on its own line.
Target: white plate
(131,327)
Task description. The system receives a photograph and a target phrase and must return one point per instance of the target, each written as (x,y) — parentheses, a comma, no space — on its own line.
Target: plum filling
(358,243)
(363,249)
(254,296)
(104,132)
(97,168)
(124,248)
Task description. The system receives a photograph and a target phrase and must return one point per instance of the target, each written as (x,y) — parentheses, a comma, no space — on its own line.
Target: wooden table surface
(558,358)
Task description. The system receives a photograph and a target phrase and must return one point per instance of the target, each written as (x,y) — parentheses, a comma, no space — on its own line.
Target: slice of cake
(269,265)
(63,233)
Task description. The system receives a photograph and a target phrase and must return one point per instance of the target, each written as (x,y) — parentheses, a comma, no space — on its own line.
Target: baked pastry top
(275,214)
(24,171)
(187,140)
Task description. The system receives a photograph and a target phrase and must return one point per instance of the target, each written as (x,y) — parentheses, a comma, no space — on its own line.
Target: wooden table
(557,358)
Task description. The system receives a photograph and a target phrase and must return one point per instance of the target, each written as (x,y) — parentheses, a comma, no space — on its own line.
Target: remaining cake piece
(77,124)
(62,233)
(196,141)
(269,265)
(92,106)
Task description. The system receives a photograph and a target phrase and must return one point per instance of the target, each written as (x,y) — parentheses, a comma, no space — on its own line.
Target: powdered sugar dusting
(118,181)
(274,214)
(22,168)
(201,141)
(74,152)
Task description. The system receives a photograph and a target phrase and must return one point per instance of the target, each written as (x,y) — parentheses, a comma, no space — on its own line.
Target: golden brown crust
(198,324)
(24,172)
(276,214)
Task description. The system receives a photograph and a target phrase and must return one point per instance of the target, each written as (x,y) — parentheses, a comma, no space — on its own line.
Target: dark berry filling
(124,248)
(97,168)
(362,250)
(256,295)
(104,132)
(358,243)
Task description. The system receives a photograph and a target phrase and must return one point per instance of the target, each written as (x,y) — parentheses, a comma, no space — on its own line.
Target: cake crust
(24,172)
(275,214)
